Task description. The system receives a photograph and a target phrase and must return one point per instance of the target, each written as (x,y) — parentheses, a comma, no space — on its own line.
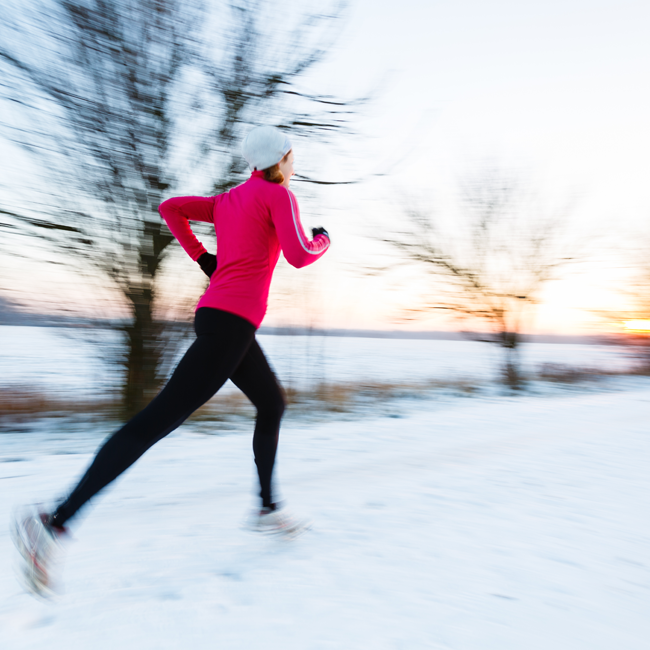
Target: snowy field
(477,524)
(63,360)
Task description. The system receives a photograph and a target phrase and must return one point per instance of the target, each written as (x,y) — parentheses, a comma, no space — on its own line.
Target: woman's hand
(208,263)
(319,231)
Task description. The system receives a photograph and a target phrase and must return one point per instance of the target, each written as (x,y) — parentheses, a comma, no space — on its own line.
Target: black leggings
(225,348)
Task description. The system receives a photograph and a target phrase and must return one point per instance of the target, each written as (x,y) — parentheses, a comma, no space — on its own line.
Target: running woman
(253,223)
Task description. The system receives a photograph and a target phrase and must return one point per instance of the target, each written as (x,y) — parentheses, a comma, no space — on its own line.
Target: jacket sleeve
(298,250)
(179,211)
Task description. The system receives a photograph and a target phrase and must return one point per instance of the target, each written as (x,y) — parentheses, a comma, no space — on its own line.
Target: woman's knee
(272,408)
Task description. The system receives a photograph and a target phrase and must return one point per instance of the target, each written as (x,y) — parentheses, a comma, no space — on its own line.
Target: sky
(556,91)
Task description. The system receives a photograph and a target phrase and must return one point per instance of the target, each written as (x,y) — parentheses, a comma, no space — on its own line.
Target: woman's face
(286,167)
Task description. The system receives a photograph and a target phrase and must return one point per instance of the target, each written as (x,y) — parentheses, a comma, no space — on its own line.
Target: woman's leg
(257,381)
(222,342)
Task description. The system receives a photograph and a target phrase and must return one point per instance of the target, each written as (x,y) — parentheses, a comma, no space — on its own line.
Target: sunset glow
(637,325)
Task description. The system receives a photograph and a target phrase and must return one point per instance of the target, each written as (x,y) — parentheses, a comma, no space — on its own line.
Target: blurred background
(480,166)
(467,368)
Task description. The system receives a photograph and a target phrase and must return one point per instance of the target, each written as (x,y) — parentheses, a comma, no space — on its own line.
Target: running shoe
(39,544)
(277,521)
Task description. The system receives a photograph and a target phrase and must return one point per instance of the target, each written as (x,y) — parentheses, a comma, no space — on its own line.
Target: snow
(61,359)
(58,358)
(475,523)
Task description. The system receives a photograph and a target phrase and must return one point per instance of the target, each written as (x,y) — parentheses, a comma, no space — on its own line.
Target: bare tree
(637,320)
(493,266)
(634,319)
(115,99)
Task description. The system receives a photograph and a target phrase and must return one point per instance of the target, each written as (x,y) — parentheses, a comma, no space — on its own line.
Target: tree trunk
(143,354)
(512,376)
(145,348)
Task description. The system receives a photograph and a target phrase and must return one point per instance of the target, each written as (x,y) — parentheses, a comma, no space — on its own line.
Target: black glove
(320,231)
(208,263)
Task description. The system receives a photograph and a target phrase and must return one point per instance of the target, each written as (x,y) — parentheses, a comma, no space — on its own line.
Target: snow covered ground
(470,524)
(65,360)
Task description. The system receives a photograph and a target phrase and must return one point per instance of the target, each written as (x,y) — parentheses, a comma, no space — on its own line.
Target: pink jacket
(253,222)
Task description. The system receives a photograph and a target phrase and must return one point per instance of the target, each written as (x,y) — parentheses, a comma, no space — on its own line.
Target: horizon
(10,316)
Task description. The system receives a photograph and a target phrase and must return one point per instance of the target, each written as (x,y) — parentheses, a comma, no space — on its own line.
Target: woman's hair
(273,174)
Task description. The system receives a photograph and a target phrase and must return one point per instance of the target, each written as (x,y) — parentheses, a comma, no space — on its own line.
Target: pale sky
(556,88)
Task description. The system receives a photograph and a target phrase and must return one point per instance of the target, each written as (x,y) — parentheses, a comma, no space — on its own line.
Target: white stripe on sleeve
(298,228)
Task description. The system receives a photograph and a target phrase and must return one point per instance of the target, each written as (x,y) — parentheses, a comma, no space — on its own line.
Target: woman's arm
(179,211)
(297,248)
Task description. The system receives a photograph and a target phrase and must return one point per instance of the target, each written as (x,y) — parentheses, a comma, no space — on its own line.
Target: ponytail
(273,174)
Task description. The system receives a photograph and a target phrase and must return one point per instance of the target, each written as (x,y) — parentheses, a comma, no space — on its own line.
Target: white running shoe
(277,522)
(39,544)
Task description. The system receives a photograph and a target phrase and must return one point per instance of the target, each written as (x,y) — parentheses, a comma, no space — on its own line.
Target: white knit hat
(265,146)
